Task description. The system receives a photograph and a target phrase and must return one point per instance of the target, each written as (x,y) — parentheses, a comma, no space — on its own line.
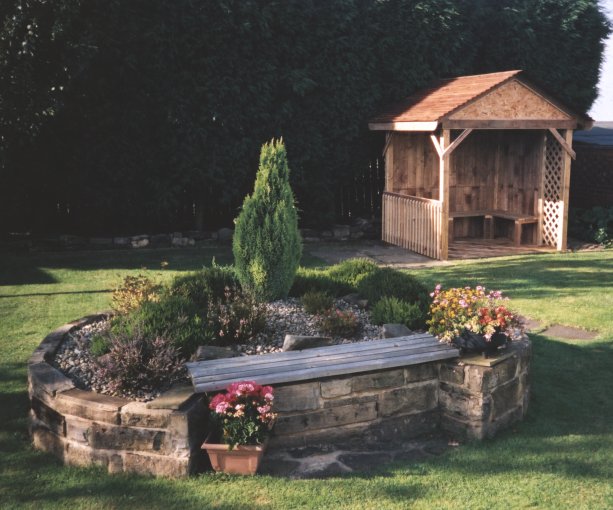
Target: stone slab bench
(317,363)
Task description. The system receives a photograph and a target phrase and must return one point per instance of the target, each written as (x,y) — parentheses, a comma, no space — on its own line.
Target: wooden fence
(413,223)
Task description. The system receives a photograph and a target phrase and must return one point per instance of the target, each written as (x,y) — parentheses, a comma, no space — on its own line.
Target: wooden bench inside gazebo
(478,161)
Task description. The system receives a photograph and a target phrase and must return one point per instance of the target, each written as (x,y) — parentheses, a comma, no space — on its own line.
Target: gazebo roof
(504,100)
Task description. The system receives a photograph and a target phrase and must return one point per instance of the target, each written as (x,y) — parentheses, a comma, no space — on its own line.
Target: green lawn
(560,457)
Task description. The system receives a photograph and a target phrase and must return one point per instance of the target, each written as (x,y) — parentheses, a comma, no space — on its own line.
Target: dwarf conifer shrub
(315,302)
(396,311)
(205,286)
(267,245)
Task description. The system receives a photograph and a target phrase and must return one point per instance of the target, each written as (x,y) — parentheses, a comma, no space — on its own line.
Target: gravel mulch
(73,357)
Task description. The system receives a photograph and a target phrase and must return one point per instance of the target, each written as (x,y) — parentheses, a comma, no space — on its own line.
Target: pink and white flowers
(244,413)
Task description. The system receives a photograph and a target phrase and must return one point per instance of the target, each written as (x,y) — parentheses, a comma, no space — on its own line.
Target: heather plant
(99,345)
(315,302)
(133,292)
(137,362)
(339,323)
(396,311)
(235,318)
(267,245)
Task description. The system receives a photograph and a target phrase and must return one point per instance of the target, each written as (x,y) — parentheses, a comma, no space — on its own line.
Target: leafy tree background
(122,116)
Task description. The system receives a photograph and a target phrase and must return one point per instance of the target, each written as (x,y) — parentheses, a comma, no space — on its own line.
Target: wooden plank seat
(488,222)
(291,366)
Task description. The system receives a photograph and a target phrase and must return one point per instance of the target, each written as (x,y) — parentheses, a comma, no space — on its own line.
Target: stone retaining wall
(83,428)
(468,398)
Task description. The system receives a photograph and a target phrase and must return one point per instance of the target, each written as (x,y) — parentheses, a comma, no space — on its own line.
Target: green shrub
(338,323)
(396,311)
(316,301)
(134,291)
(388,282)
(173,317)
(351,272)
(317,280)
(208,284)
(594,225)
(266,244)
(138,362)
(99,345)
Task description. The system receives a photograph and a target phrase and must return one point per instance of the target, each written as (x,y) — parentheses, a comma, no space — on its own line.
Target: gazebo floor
(477,248)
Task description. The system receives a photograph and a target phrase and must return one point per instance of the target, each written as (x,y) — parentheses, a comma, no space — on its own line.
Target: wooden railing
(413,223)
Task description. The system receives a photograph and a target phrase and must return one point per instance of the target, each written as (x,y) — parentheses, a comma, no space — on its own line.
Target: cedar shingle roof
(433,103)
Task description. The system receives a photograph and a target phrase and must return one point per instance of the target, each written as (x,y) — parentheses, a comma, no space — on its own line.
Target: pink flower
(222,407)
(438,286)
(263,409)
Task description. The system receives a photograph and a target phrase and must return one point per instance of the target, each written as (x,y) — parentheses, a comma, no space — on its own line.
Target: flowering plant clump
(244,413)
(454,310)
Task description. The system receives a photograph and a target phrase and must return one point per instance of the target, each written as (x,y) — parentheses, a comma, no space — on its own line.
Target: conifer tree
(267,245)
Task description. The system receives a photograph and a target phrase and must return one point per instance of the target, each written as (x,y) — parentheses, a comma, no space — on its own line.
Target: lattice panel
(552,192)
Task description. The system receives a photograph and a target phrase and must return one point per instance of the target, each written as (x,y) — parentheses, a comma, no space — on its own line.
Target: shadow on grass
(60,293)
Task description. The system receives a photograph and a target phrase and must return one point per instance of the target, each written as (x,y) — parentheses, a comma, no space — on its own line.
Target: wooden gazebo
(482,157)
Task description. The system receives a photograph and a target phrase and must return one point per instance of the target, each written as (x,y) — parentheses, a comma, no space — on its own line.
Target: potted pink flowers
(243,418)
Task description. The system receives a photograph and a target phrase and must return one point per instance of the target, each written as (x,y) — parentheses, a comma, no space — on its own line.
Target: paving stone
(364,461)
(333,469)
(278,467)
(569,333)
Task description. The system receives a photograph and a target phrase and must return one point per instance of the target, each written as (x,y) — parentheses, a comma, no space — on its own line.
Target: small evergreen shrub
(388,282)
(315,302)
(594,225)
(267,246)
(317,280)
(204,286)
(133,292)
(351,272)
(396,311)
(338,323)
(173,317)
(138,362)
(99,345)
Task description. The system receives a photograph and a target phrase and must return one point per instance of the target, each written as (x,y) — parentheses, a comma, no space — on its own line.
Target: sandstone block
(350,401)
(464,404)
(90,405)
(505,398)
(78,429)
(376,380)
(76,454)
(416,398)
(139,241)
(54,421)
(451,373)
(336,388)
(110,437)
(45,440)
(402,427)
(421,372)
(297,397)
(43,378)
(333,417)
(137,414)
(458,428)
(205,352)
(174,398)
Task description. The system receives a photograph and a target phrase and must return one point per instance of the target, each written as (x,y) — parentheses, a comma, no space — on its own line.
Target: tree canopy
(124,116)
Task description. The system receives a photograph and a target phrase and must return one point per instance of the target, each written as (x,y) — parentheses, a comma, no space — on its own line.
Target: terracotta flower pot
(241,460)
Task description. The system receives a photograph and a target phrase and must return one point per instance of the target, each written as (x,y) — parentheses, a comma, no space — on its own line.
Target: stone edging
(84,428)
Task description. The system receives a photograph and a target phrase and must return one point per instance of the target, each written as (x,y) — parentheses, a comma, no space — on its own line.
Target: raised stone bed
(84,428)
(465,398)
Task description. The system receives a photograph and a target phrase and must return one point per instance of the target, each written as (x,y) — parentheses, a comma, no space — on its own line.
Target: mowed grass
(561,456)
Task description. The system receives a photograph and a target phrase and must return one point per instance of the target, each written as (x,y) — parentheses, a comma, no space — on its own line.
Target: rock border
(83,428)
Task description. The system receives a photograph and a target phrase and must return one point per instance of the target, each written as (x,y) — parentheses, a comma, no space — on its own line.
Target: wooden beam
(454,145)
(563,142)
(437,146)
(388,139)
(389,162)
(509,124)
(444,169)
(562,236)
(403,126)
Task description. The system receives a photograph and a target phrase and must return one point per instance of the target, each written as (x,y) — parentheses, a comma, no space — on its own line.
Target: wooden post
(568,136)
(540,193)
(388,154)
(443,193)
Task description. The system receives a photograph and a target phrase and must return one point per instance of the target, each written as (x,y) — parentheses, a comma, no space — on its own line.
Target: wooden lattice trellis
(553,213)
